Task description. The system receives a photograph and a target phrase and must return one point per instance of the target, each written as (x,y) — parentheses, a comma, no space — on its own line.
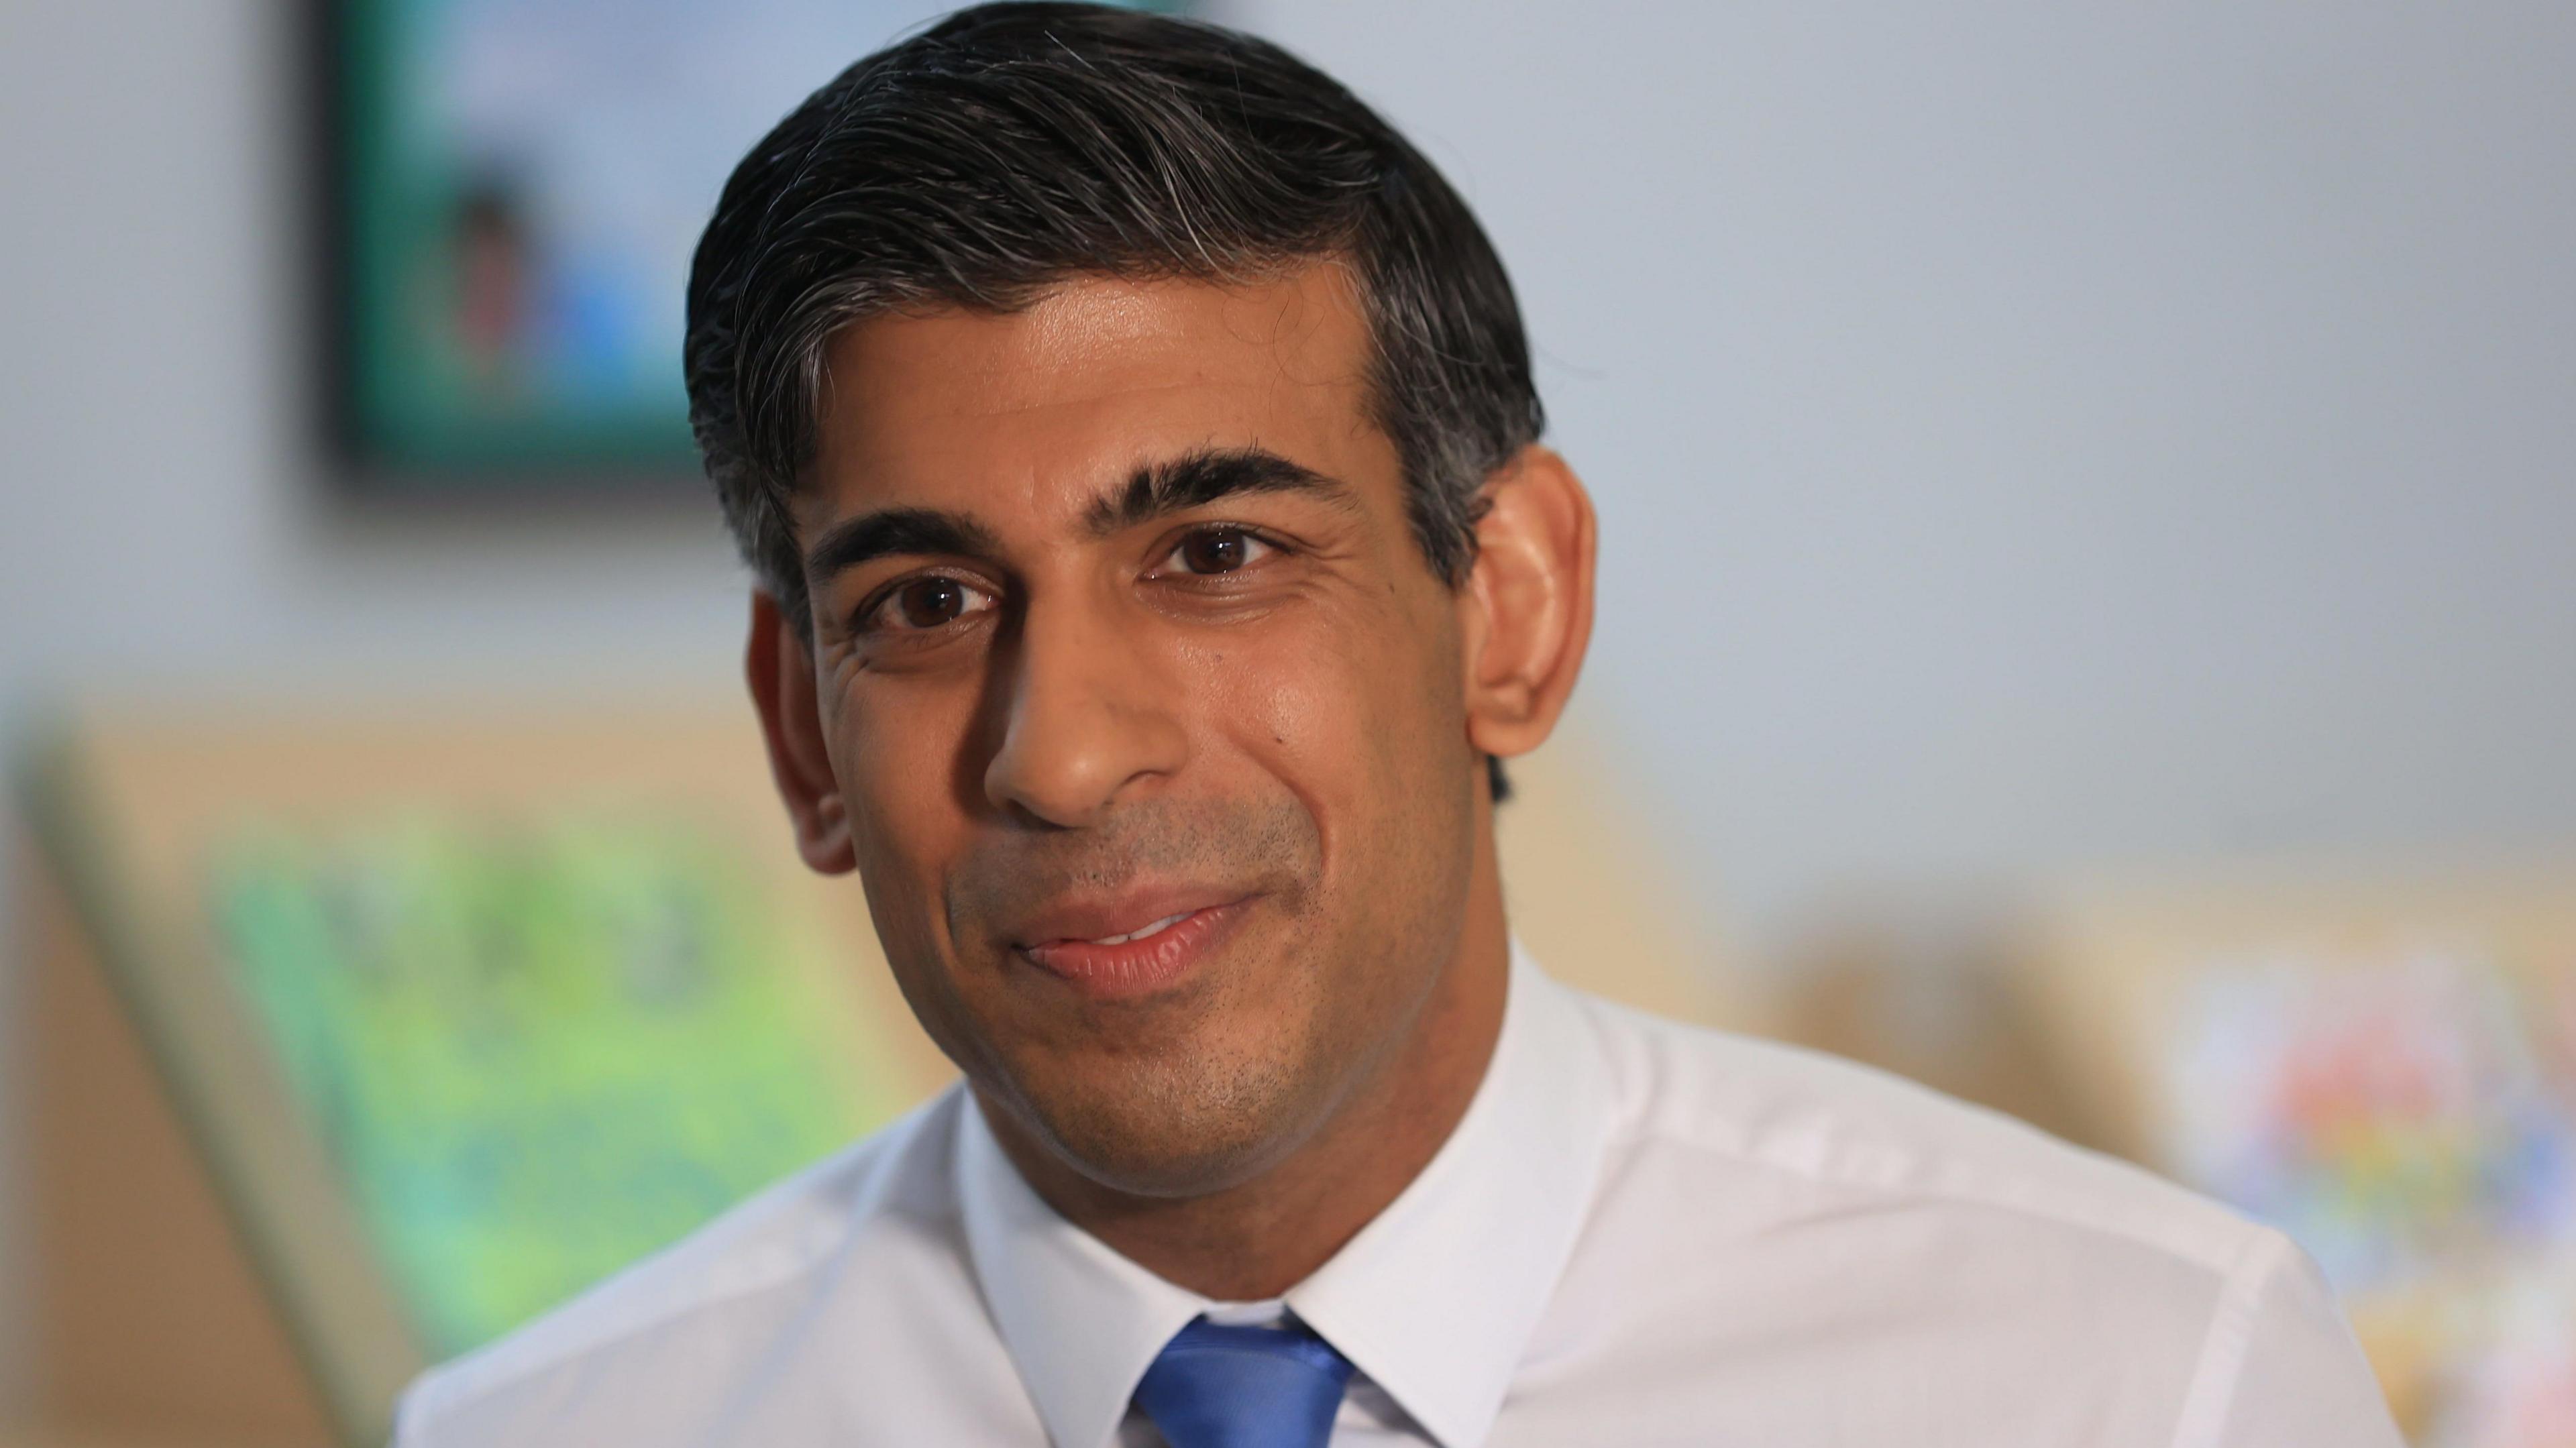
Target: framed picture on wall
(516,188)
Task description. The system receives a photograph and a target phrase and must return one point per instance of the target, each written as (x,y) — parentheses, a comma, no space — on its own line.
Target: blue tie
(1245,1387)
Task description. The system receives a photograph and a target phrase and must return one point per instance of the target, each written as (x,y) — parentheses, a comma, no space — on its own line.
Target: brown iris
(1217,550)
(930,602)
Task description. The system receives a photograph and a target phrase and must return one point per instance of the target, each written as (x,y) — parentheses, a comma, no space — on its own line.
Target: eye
(921,604)
(1219,550)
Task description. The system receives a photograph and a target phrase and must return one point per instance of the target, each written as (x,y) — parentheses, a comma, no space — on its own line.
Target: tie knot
(1245,1387)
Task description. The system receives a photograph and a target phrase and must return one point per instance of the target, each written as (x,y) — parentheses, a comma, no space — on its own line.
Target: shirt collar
(1434,1300)
(1081,1322)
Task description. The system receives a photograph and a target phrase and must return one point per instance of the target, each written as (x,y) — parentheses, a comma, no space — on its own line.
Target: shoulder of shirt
(768,1242)
(1786,1109)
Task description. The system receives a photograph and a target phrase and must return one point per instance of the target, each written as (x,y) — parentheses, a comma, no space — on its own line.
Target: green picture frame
(513,191)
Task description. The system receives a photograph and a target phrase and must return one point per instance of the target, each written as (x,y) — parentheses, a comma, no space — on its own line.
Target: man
(1135,445)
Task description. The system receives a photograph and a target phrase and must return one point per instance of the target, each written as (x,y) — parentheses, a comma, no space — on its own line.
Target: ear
(1527,610)
(781,672)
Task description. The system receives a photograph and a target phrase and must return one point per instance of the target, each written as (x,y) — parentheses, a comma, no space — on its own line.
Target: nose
(1087,713)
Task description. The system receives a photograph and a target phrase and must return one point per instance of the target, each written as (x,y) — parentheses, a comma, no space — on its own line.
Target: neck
(1257,1239)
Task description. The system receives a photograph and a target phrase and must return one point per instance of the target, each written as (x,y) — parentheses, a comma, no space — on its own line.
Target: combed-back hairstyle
(1013,146)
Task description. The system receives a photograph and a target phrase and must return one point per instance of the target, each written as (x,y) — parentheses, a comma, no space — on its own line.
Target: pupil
(1216,552)
(932,601)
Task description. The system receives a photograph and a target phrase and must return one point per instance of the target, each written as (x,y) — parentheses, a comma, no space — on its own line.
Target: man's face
(1120,631)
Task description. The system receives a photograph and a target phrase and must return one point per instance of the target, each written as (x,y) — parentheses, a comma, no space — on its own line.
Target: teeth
(1157,927)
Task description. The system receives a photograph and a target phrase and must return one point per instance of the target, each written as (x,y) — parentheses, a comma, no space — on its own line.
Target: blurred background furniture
(2379,1061)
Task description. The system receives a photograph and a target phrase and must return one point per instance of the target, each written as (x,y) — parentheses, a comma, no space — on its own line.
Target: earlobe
(780,670)
(1529,603)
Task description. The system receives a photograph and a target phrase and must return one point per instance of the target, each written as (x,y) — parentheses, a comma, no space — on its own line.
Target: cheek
(890,752)
(1357,716)
(896,751)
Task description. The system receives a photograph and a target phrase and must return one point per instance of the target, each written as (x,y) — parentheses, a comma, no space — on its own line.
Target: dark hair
(1012,146)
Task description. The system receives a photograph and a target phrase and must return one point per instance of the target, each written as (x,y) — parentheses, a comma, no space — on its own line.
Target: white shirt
(1640,1233)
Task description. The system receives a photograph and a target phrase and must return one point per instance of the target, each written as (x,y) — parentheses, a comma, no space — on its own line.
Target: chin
(1174,1133)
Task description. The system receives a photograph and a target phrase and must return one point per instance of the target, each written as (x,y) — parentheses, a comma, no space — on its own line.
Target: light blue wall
(2028,433)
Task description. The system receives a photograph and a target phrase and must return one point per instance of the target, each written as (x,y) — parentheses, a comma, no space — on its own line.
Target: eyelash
(876,603)
(1223,530)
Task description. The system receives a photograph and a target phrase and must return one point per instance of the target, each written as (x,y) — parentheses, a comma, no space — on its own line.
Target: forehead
(1029,414)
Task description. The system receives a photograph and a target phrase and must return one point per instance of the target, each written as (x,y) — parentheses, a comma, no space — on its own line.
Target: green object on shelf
(537,1051)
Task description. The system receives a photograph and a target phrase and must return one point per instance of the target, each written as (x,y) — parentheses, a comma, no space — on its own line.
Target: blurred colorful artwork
(521,184)
(2409,1117)
(534,1052)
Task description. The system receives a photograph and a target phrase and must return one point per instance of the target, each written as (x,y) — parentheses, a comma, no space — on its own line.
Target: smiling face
(1145,718)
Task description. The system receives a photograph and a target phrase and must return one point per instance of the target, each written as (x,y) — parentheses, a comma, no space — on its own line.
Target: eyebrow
(896,533)
(1196,479)
(1153,491)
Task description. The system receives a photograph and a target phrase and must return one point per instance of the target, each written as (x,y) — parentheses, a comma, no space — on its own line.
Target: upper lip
(1128,911)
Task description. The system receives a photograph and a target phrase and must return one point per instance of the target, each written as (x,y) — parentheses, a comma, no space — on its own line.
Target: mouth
(1143,958)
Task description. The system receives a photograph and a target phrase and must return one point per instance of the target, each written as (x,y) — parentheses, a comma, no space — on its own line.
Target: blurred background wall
(2026,437)
(167,515)
(2026,432)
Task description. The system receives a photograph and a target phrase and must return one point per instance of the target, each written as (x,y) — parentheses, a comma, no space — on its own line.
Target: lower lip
(1137,967)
